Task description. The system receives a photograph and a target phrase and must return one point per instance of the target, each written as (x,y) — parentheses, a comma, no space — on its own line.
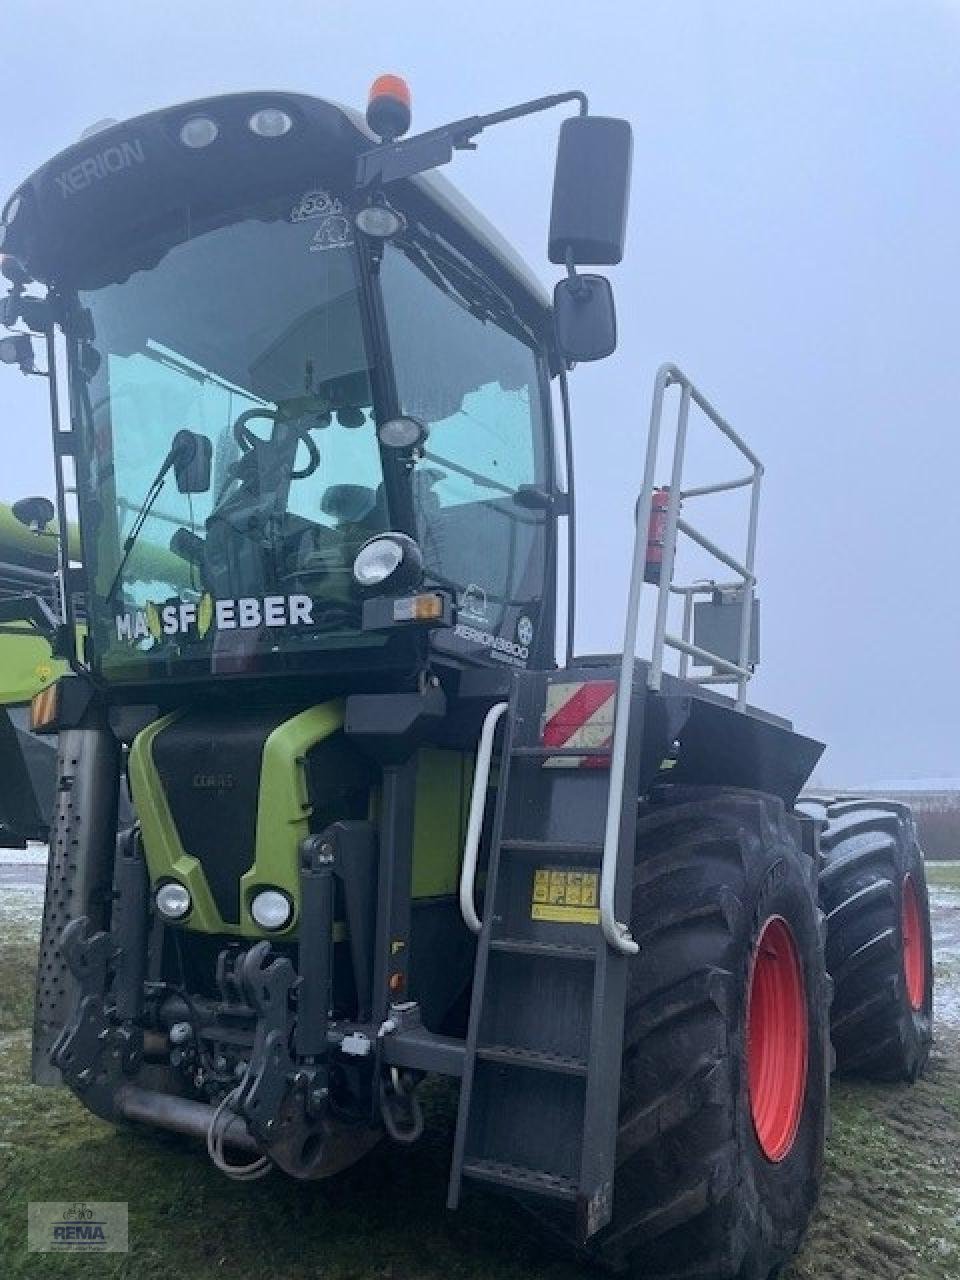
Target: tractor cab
(310,424)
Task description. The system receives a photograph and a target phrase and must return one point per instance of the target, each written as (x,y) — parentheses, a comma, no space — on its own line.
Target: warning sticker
(579,714)
(565,896)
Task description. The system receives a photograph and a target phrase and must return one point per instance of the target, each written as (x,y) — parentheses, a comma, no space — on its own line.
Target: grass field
(890,1208)
(944,875)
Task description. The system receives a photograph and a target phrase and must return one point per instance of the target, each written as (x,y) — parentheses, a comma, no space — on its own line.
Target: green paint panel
(283,817)
(166,858)
(26,666)
(283,806)
(444,779)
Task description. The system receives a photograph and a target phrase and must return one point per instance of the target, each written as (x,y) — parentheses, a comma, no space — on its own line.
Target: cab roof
(123,176)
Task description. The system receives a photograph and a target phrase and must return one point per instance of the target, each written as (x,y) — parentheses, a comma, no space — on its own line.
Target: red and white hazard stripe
(579,714)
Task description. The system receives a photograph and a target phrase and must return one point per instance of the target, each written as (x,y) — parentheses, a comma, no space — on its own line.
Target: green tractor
(29,606)
(330,817)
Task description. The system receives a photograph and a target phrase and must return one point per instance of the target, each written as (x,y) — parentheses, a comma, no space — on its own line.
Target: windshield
(249,335)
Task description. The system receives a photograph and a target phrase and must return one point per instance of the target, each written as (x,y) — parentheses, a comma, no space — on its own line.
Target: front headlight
(173,900)
(390,555)
(271,909)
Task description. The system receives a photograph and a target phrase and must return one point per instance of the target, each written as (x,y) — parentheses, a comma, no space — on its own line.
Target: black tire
(869,849)
(695,1195)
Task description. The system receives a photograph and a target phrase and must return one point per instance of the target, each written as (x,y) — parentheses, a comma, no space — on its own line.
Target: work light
(379,221)
(173,900)
(402,433)
(199,131)
(270,122)
(271,909)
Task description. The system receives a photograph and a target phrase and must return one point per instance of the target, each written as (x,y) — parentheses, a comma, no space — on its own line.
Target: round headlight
(376,561)
(378,221)
(390,555)
(198,131)
(402,433)
(173,900)
(270,122)
(271,909)
(12,209)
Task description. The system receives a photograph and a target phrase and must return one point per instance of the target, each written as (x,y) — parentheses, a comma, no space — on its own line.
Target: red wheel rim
(777,1039)
(914,945)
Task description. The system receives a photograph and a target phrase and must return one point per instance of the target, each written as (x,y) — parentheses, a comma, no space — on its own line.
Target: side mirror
(192,461)
(591,191)
(35,513)
(584,318)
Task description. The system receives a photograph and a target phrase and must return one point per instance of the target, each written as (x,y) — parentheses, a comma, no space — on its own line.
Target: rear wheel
(723,1101)
(874,891)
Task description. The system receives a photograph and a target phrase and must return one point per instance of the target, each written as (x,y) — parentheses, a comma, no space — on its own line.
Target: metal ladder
(538,1099)
(540,1088)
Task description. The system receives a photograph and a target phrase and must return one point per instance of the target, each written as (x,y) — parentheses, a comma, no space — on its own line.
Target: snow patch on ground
(34,855)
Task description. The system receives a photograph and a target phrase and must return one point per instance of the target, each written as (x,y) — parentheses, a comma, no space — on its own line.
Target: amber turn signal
(44,708)
(421,608)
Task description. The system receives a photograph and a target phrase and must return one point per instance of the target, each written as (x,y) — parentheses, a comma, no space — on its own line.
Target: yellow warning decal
(565,896)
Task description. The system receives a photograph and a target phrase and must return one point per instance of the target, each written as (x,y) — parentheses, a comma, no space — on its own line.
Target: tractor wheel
(723,1097)
(874,891)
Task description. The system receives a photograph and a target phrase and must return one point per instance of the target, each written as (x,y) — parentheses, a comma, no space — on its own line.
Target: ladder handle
(478,801)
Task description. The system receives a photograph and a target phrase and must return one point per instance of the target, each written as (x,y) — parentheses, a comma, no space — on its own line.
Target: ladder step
(573,753)
(556,848)
(521,1178)
(510,1056)
(548,950)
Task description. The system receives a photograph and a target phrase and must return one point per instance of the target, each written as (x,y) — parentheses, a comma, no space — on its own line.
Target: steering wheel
(248,440)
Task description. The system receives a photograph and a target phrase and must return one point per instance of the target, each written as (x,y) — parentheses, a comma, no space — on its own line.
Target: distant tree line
(938,820)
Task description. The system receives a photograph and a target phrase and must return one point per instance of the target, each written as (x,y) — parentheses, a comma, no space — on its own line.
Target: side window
(476,386)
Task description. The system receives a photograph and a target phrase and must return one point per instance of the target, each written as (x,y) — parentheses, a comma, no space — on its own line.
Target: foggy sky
(794,245)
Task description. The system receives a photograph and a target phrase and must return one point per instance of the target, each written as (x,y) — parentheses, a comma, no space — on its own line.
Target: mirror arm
(580,287)
(404,159)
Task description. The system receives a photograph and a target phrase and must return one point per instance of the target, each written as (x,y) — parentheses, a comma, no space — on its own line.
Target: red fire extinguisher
(655,535)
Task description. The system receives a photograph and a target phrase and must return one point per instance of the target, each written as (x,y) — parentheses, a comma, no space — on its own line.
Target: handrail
(719,486)
(478,800)
(702,540)
(711,659)
(615,931)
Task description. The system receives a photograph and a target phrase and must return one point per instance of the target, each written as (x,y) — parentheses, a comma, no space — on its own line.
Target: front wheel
(723,1102)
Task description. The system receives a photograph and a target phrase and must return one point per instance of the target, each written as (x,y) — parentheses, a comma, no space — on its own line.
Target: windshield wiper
(461,281)
(181,450)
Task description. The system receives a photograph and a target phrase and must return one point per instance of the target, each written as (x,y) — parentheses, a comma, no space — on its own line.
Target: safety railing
(616,932)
